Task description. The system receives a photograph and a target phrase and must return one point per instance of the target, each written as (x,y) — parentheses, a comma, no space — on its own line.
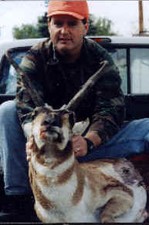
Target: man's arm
(24,99)
(108,114)
(109,111)
(108,108)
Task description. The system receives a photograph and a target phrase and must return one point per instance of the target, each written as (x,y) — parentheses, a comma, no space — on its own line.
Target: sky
(123,14)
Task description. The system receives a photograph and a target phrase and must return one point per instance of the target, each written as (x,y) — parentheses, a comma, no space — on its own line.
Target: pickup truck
(130,54)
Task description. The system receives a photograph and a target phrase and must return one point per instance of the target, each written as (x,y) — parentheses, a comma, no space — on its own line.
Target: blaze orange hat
(77,9)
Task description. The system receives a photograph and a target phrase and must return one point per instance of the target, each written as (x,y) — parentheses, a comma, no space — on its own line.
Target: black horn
(33,93)
(73,103)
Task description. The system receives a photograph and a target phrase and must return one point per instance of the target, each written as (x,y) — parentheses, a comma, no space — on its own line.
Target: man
(57,68)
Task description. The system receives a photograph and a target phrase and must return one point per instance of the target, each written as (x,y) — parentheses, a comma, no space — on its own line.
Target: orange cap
(77,9)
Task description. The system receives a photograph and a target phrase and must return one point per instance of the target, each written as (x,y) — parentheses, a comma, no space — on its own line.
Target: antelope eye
(45,122)
(126,171)
(34,114)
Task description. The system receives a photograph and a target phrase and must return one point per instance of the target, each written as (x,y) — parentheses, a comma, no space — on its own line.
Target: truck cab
(130,54)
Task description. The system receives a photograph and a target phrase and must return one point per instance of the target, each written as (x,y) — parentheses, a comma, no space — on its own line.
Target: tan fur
(66,191)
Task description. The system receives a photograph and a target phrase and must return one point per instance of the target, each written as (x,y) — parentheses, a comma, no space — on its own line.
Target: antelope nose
(51,122)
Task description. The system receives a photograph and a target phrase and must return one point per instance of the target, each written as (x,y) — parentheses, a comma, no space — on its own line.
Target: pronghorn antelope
(68,191)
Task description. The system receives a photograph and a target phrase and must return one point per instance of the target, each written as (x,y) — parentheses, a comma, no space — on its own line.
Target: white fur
(140,197)
(44,170)
(66,134)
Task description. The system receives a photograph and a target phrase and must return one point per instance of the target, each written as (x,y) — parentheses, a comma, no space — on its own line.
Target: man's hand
(79,145)
(29,146)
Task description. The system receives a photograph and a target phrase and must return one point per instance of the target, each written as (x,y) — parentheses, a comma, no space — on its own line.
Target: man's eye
(72,23)
(58,24)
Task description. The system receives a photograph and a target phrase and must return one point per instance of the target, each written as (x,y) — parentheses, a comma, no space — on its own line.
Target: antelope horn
(33,93)
(74,102)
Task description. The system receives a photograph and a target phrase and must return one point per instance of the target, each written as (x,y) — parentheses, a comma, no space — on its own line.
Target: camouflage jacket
(57,82)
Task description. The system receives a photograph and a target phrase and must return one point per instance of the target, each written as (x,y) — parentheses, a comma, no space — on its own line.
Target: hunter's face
(67,34)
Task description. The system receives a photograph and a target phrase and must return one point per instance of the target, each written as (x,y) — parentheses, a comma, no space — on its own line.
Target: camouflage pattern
(57,82)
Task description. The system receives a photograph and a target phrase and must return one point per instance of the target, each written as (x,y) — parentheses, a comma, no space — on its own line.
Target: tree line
(100,26)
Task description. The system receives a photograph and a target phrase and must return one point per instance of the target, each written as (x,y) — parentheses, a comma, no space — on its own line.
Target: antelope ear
(35,112)
(27,128)
(80,127)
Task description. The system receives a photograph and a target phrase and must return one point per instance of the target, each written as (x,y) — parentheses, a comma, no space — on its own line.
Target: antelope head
(52,127)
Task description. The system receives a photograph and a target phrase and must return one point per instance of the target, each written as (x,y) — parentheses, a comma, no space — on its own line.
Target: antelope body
(68,191)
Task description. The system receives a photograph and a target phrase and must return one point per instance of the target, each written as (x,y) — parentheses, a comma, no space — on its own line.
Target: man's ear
(49,27)
(86,27)
(49,24)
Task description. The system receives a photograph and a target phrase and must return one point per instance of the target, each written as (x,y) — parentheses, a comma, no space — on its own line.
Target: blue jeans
(130,140)
(12,151)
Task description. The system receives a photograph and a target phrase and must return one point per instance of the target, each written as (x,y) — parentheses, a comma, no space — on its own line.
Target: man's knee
(7,111)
